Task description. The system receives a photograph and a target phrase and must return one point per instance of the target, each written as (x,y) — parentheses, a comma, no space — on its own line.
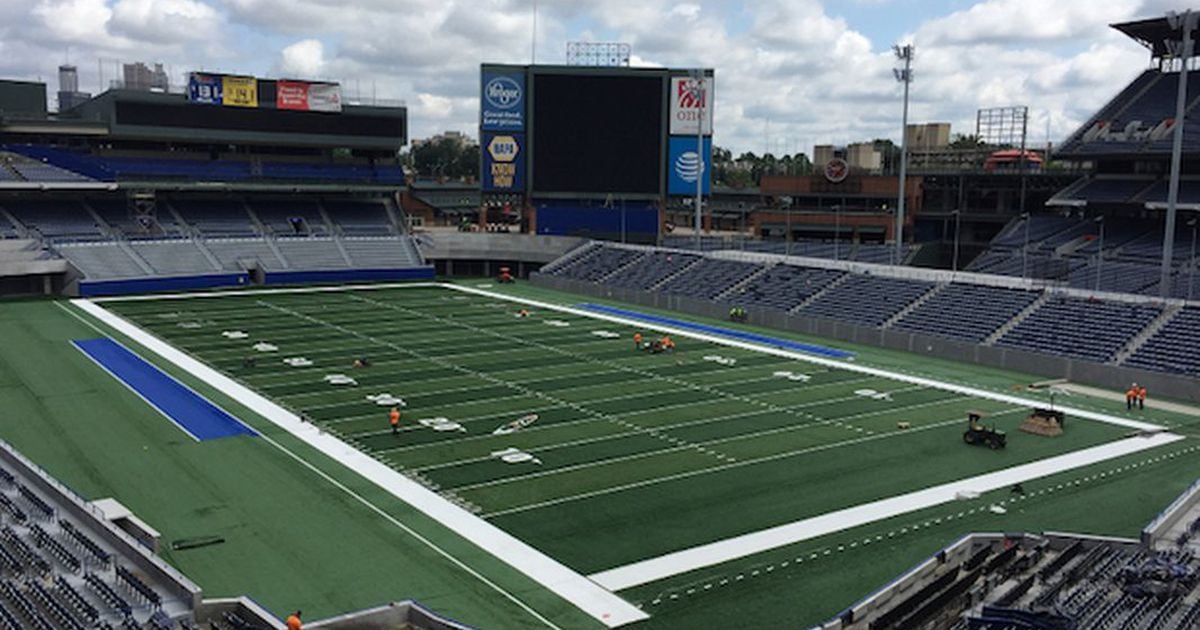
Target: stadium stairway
(622,268)
(571,258)
(682,270)
(1169,312)
(1016,320)
(914,305)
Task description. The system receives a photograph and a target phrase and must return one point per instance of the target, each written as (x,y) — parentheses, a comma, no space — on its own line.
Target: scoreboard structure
(566,143)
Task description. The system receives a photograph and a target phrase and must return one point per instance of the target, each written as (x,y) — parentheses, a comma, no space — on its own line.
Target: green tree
(446,157)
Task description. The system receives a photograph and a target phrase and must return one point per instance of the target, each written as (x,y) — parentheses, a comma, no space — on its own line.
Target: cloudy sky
(790,73)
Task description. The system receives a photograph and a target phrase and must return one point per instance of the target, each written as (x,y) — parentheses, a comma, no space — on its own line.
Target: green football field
(632,455)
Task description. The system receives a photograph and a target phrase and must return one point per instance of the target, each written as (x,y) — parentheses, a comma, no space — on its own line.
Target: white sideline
(678,562)
(589,597)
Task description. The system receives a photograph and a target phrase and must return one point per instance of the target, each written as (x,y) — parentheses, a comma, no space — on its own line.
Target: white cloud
(305,58)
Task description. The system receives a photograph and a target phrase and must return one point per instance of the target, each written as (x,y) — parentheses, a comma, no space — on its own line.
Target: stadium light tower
(1100,252)
(1025,248)
(696,88)
(903,53)
(1186,23)
(1194,224)
(957,221)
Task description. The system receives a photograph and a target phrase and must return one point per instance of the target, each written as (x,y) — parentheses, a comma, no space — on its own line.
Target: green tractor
(979,435)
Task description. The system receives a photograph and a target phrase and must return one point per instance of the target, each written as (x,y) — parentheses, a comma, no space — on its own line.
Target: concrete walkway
(1162,405)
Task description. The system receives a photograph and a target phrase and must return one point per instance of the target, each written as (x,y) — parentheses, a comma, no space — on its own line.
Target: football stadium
(255,368)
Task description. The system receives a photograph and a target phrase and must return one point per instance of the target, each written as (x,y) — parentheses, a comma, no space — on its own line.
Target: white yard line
(576,589)
(665,566)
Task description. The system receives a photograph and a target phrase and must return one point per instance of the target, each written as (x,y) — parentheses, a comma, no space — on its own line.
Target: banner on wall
(686,103)
(204,88)
(308,97)
(685,166)
(239,91)
(502,101)
(503,162)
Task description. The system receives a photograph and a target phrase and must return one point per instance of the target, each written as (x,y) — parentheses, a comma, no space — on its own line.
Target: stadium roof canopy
(1155,34)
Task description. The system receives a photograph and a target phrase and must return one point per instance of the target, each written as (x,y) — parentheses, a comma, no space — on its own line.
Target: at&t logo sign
(502,92)
(689,166)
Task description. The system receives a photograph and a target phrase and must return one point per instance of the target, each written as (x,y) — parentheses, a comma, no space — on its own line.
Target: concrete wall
(447,245)
(1101,375)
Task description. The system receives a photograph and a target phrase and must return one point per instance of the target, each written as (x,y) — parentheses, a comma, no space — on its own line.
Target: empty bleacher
(1086,329)
(783,287)
(869,300)
(178,257)
(381,252)
(1173,348)
(276,217)
(966,311)
(101,261)
(231,252)
(709,278)
(218,218)
(651,269)
(55,220)
(593,265)
(311,253)
(359,218)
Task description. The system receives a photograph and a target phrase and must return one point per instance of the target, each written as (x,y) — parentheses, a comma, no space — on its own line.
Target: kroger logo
(688,166)
(502,92)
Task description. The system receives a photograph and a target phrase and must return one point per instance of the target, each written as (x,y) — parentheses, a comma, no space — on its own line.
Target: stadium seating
(868,300)
(783,287)
(1115,276)
(220,218)
(359,218)
(1173,348)
(101,261)
(594,265)
(179,257)
(311,253)
(230,252)
(1087,329)
(966,311)
(55,220)
(709,278)
(382,252)
(276,216)
(651,269)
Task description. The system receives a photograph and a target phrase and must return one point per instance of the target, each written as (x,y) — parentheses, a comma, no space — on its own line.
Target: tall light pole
(903,53)
(1186,23)
(837,229)
(697,92)
(957,221)
(1025,250)
(1099,252)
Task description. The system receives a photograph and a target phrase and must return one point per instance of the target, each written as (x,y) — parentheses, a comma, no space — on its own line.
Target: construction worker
(1131,396)
(293,621)
(394,420)
(637,341)
(1141,397)
(667,344)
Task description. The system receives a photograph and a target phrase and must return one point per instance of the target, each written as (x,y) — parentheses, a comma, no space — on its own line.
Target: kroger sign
(502,101)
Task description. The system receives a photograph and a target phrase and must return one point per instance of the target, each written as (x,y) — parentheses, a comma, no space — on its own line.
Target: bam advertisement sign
(502,101)
(503,162)
(687,101)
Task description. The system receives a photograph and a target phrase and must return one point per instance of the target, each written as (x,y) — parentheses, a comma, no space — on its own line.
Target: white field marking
(572,587)
(799,356)
(661,428)
(704,471)
(701,556)
(707,443)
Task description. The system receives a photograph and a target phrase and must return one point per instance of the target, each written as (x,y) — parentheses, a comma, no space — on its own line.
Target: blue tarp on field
(189,411)
(731,333)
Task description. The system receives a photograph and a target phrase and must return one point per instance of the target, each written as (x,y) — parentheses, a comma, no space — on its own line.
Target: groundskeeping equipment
(979,435)
(1046,422)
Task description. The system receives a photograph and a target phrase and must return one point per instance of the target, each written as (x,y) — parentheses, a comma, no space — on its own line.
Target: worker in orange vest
(394,420)
(667,344)
(637,341)
(1142,397)
(1131,396)
(293,621)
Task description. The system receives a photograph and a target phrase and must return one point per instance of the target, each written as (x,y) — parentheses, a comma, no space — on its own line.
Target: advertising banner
(204,88)
(308,97)
(502,101)
(686,104)
(239,91)
(503,162)
(685,166)
(324,97)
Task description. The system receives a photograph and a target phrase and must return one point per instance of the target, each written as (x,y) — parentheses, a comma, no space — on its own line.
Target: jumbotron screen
(597,134)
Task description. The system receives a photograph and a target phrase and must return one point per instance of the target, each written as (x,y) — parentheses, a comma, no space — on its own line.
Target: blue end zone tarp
(198,417)
(723,332)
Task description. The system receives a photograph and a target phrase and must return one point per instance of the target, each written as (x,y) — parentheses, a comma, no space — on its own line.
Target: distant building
(457,137)
(68,88)
(139,76)
(926,136)
(823,153)
(862,156)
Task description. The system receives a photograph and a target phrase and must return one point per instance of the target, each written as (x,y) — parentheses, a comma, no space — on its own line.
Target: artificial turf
(639,454)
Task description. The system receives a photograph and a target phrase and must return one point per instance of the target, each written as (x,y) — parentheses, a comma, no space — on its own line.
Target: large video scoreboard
(585,132)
